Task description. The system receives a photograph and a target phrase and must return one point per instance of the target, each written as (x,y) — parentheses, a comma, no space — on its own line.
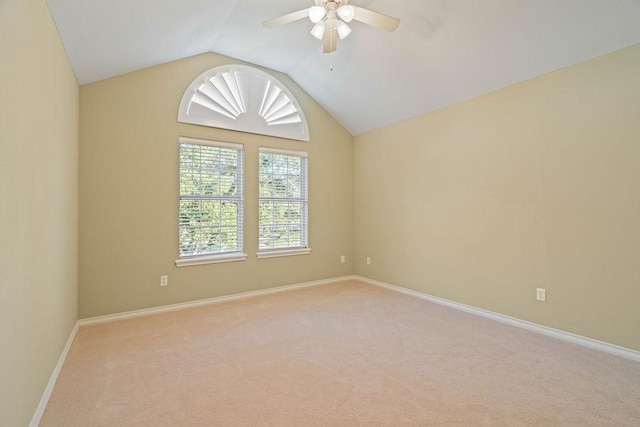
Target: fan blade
(376,19)
(286,19)
(330,38)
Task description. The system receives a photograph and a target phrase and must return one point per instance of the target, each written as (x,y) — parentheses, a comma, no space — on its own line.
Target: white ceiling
(445,51)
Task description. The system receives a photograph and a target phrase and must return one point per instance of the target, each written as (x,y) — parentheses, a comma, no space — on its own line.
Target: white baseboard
(35,420)
(208,301)
(556,333)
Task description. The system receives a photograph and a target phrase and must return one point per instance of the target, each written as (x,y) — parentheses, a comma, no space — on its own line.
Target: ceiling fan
(331,17)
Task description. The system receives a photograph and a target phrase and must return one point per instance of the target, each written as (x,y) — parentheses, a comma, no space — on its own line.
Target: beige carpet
(346,354)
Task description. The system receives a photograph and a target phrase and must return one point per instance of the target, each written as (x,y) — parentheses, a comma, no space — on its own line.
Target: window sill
(210,259)
(283,252)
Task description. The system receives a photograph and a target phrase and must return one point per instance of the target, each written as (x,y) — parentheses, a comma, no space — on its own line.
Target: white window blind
(211,198)
(283,200)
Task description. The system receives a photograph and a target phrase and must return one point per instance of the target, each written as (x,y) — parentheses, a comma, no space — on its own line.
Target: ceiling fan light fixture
(343,30)
(318,30)
(346,13)
(316,13)
(330,19)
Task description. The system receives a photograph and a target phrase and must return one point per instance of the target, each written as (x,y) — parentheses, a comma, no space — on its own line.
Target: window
(282,209)
(246,99)
(211,202)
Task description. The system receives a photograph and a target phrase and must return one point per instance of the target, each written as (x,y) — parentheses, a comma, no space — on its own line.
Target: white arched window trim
(246,99)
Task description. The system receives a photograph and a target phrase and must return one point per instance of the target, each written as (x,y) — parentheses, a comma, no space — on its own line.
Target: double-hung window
(211,202)
(283,203)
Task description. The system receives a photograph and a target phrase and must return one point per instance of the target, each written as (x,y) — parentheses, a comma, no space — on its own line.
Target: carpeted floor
(345,354)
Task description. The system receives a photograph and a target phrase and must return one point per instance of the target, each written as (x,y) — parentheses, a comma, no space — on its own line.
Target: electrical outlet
(164,280)
(368,260)
(343,259)
(541,294)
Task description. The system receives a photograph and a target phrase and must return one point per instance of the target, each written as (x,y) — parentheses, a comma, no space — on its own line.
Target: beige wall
(38,205)
(535,185)
(129,195)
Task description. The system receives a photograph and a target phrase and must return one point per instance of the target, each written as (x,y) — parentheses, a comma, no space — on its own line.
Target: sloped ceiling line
(444,52)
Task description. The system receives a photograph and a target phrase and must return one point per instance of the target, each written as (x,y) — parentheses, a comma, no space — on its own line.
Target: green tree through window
(282,209)
(211,198)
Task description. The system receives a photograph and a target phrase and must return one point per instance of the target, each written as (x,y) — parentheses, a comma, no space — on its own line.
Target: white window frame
(304,249)
(216,257)
(246,99)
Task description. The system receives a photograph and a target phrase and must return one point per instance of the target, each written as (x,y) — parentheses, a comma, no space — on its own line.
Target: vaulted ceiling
(445,51)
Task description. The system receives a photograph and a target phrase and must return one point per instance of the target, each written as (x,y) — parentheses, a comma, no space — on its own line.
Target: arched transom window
(246,99)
